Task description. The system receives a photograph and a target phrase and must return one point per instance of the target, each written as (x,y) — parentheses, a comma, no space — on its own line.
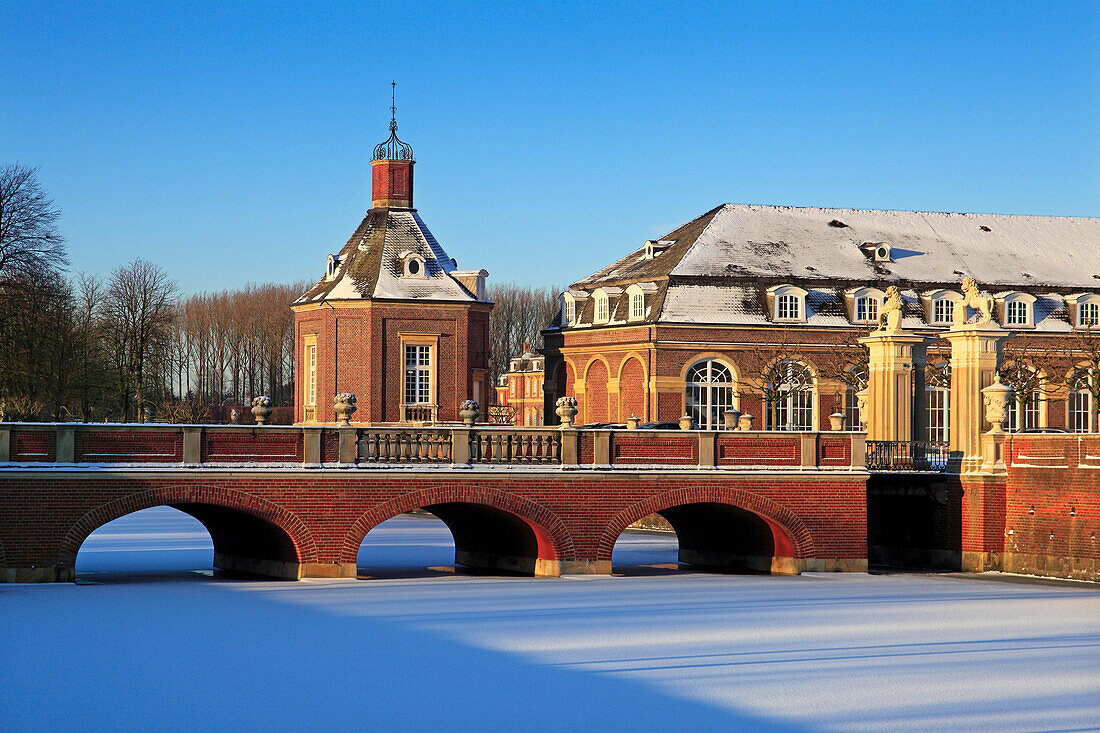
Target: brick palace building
(393,320)
(520,389)
(759,308)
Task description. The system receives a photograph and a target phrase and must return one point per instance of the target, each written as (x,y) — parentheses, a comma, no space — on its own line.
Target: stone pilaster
(976,352)
(893,359)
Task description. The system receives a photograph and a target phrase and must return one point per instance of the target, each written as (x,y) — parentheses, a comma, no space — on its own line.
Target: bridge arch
(768,536)
(491,528)
(250,534)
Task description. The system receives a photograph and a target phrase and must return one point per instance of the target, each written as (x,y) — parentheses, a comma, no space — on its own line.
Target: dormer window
(867,309)
(413,265)
(787,303)
(1084,310)
(1088,315)
(654,248)
(864,304)
(877,251)
(943,310)
(636,295)
(332,266)
(603,313)
(568,310)
(1016,309)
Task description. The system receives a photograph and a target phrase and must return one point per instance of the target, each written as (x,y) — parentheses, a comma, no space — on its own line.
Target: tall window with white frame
(788,307)
(602,310)
(710,390)
(937,399)
(637,306)
(867,309)
(418,374)
(1017,313)
(569,312)
(1031,413)
(311,375)
(789,392)
(1079,403)
(855,381)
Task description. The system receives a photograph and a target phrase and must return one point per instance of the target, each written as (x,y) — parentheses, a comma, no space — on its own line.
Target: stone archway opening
(183,539)
(455,537)
(704,536)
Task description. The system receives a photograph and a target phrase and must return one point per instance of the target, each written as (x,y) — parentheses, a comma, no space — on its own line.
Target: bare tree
(520,312)
(140,307)
(29,238)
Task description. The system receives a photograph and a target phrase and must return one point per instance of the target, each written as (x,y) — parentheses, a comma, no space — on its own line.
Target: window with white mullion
(709,393)
(943,310)
(311,379)
(418,375)
(937,398)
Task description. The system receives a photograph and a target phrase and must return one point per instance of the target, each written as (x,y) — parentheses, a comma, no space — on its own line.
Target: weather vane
(394,148)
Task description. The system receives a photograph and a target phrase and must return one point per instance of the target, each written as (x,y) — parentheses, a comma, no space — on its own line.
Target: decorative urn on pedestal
(261,409)
(836,421)
(996,397)
(469,411)
(730,418)
(632,422)
(686,422)
(344,405)
(745,421)
(566,409)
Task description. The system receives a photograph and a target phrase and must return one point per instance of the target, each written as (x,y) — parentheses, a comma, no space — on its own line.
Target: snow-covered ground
(149,640)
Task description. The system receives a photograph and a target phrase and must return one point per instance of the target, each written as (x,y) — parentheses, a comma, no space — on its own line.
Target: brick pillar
(392,183)
(890,384)
(976,352)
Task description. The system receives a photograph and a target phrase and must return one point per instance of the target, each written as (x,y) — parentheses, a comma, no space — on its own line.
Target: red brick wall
(632,390)
(595,394)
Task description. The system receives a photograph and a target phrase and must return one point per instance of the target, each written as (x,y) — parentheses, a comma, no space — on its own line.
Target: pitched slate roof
(719,265)
(371,265)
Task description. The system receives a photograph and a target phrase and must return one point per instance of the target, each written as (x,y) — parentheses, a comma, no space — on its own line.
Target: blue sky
(230,142)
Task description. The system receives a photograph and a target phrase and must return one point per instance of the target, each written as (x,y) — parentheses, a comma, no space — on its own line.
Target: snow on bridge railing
(27,445)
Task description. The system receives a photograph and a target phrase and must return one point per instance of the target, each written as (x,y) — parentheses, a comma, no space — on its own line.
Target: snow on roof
(783,241)
(372,263)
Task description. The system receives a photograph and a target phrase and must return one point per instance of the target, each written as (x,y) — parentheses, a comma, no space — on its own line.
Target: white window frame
(602,310)
(1088,314)
(937,403)
(782,296)
(407,259)
(1018,309)
(311,373)
(797,411)
(569,311)
(712,391)
(867,309)
(1079,403)
(637,306)
(943,311)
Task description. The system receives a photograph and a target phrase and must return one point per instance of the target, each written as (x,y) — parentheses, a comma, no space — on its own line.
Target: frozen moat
(149,640)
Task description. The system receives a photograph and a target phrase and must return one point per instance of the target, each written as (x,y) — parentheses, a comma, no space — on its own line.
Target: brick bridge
(295,502)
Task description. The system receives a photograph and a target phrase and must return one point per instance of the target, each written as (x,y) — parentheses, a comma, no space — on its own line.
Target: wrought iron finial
(394,148)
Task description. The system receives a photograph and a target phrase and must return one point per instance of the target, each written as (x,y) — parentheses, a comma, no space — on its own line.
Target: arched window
(710,392)
(867,309)
(943,310)
(937,399)
(855,380)
(1079,402)
(1089,315)
(602,311)
(789,397)
(789,307)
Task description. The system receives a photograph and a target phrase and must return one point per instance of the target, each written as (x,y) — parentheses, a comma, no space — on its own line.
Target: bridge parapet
(34,444)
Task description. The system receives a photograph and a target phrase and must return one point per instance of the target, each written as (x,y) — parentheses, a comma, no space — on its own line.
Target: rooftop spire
(394,148)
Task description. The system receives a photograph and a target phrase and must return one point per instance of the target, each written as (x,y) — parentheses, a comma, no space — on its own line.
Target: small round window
(414,267)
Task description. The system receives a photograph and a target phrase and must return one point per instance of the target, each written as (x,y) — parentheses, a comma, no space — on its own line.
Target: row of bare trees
(127,346)
(520,312)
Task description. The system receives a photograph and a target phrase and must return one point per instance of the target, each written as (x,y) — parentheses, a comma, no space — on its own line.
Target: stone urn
(836,421)
(861,401)
(261,409)
(686,422)
(996,398)
(566,409)
(344,405)
(234,415)
(745,421)
(730,418)
(469,411)
(632,422)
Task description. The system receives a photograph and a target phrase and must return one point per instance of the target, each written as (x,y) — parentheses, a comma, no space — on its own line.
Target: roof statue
(394,148)
(890,316)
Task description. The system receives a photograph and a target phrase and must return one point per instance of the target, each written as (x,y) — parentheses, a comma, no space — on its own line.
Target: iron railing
(906,455)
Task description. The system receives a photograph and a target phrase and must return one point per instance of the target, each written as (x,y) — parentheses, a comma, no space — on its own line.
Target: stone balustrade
(457,446)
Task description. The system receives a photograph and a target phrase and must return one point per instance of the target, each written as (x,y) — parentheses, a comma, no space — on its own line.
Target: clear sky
(230,142)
